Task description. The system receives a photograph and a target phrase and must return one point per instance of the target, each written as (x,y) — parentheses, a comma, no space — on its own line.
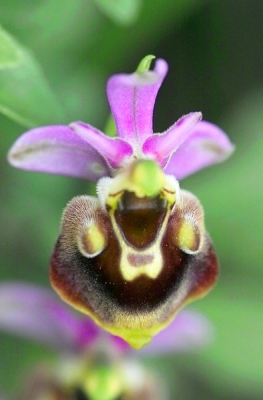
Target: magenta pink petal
(115,150)
(161,146)
(121,346)
(37,314)
(57,150)
(189,331)
(132,98)
(206,145)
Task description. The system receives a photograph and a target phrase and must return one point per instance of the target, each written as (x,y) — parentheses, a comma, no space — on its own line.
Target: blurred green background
(53,69)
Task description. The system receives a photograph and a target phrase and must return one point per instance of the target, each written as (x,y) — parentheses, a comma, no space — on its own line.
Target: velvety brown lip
(97,285)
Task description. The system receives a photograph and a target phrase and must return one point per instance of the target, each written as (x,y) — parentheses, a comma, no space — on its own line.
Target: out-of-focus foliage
(121,11)
(25,96)
(215,57)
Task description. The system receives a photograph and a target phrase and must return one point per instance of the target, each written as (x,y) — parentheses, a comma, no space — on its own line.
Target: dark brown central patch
(103,277)
(140,220)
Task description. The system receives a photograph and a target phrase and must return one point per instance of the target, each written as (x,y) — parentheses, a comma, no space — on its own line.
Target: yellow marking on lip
(169,191)
(113,199)
(153,269)
(188,237)
(116,194)
(92,241)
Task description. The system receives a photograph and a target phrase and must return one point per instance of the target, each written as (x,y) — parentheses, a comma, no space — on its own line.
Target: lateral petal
(206,145)
(115,150)
(161,146)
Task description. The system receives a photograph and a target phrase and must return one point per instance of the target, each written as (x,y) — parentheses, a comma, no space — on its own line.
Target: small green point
(147,177)
(145,63)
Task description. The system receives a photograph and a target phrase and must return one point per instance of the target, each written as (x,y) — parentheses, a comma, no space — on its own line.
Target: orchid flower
(132,257)
(79,345)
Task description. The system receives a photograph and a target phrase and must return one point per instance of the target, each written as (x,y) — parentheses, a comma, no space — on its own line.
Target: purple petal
(120,344)
(37,314)
(115,150)
(132,98)
(187,332)
(206,145)
(161,146)
(57,150)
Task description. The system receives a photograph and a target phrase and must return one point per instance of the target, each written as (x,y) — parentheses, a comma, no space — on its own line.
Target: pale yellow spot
(188,238)
(93,241)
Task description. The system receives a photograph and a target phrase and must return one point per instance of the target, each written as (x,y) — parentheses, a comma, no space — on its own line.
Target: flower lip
(155,260)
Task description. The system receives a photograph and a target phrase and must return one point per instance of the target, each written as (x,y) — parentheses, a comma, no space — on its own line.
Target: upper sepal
(132,97)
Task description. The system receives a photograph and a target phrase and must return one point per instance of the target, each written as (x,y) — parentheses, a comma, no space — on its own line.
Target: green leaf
(120,11)
(237,343)
(10,53)
(25,95)
(155,20)
(110,127)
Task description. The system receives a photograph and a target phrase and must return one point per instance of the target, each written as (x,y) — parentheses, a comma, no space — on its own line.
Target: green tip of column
(148,177)
(145,63)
